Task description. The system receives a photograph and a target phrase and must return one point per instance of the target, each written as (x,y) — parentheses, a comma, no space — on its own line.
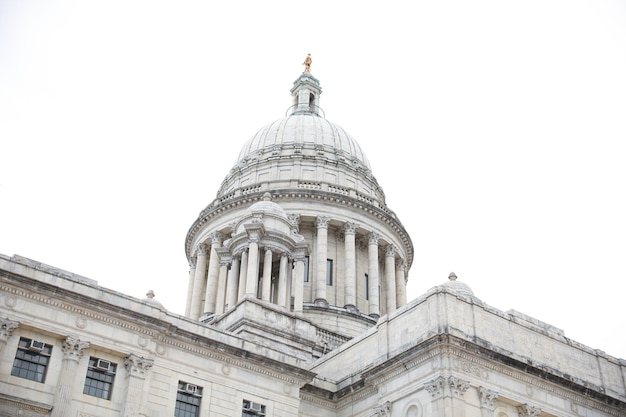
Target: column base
(320,302)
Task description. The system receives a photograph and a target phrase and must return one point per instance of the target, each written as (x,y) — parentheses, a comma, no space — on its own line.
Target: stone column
(73,350)
(487,401)
(321,256)
(221,286)
(390,278)
(243,274)
(253,268)
(137,367)
(350,267)
(213,274)
(298,283)
(374,284)
(198,281)
(192,273)
(6,329)
(282,297)
(266,286)
(233,284)
(400,284)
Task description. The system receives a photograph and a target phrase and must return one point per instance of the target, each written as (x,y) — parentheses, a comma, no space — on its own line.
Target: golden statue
(307,63)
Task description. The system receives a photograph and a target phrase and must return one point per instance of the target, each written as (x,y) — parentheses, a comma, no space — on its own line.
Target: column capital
(487,397)
(373,238)
(349,228)
(6,328)
(527,410)
(435,387)
(74,348)
(201,249)
(390,251)
(216,237)
(458,386)
(383,410)
(401,265)
(137,365)
(322,222)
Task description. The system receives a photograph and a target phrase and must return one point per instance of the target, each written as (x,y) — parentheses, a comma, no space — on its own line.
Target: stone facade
(296,306)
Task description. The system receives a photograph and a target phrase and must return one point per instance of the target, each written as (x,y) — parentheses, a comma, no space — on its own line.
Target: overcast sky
(497,130)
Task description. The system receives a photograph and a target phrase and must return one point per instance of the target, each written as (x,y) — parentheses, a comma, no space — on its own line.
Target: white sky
(496,129)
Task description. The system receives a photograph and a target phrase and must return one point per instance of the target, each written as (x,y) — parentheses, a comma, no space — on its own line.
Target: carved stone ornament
(74,348)
(383,410)
(374,238)
(435,387)
(137,365)
(487,397)
(322,222)
(201,250)
(458,386)
(6,329)
(390,251)
(350,228)
(528,410)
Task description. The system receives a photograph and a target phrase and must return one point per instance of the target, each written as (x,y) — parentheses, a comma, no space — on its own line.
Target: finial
(307,63)
(150,294)
(452,276)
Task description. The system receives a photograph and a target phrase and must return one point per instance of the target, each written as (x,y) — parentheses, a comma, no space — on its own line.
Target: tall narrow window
(99,380)
(251,408)
(329,272)
(306,269)
(31,360)
(188,400)
(367,287)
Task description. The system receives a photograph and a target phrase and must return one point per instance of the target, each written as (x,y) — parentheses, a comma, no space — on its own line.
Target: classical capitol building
(296,306)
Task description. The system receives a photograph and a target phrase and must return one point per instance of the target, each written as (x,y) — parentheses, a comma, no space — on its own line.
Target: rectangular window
(306,269)
(251,408)
(367,287)
(188,400)
(31,360)
(99,380)
(329,272)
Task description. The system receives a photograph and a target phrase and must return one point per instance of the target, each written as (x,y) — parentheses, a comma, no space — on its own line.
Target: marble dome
(309,131)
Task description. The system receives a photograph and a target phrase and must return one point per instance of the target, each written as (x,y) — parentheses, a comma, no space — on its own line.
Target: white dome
(303,131)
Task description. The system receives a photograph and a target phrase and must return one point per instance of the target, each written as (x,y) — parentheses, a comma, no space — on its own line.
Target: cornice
(384,215)
(153,328)
(477,361)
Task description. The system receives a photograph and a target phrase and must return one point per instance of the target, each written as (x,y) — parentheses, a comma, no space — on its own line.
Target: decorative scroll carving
(458,386)
(374,238)
(528,410)
(322,222)
(216,237)
(350,228)
(201,249)
(6,329)
(74,348)
(383,410)
(487,397)
(137,365)
(435,387)
(390,251)
(294,220)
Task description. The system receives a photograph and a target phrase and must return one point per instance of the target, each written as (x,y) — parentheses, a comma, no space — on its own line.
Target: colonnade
(219,279)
